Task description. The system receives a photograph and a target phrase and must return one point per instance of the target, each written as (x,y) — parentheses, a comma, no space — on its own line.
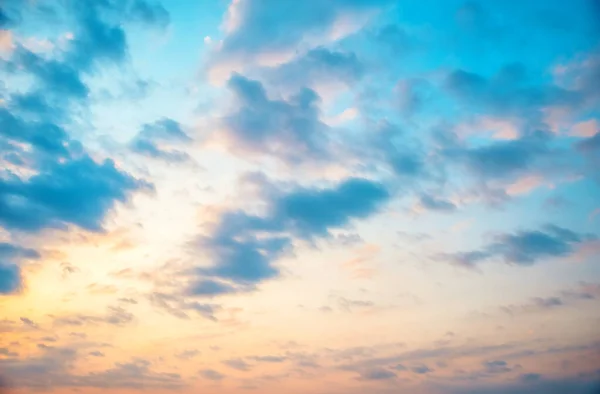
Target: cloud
(239,254)
(78,192)
(289,130)
(523,247)
(162,132)
(377,374)
(54,77)
(395,38)
(432,203)
(178,307)
(531,384)
(421,369)
(348,305)
(413,95)
(45,138)
(12,252)
(590,145)
(207,287)
(509,92)
(188,354)
(502,159)
(211,374)
(261,28)
(150,13)
(391,147)
(237,363)
(496,366)
(270,359)
(317,67)
(115,316)
(10,278)
(583,292)
(29,322)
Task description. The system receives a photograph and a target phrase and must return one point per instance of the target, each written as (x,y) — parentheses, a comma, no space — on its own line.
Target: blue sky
(342,196)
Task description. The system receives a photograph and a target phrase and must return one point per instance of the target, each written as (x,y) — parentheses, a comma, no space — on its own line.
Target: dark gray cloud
(523,247)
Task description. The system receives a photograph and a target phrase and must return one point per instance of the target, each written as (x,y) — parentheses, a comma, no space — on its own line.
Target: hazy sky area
(300,196)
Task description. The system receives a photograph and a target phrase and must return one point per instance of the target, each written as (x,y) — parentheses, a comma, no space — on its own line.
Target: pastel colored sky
(303,197)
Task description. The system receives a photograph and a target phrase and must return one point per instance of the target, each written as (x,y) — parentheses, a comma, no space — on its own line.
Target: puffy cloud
(524,247)
(12,252)
(78,192)
(10,278)
(243,247)
(290,130)
(267,27)
(10,273)
(54,76)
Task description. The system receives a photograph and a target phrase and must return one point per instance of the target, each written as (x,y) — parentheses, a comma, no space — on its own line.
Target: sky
(307,197)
